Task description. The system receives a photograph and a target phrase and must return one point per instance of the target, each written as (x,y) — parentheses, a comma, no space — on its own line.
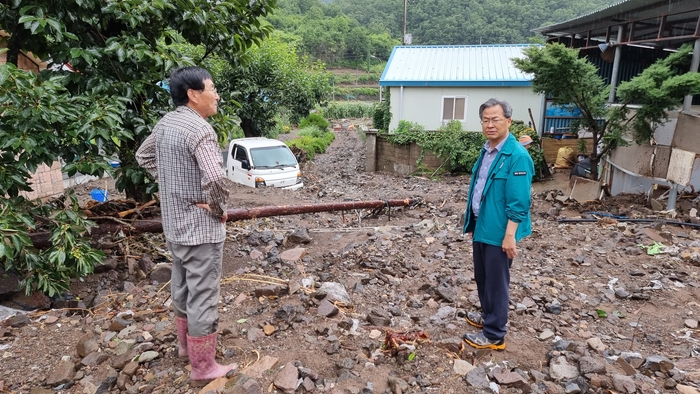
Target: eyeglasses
(209,90)
(486,121)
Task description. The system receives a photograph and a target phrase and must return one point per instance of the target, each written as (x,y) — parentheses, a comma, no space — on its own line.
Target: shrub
(315,119)
(381,118)
(353,109)
(311,140)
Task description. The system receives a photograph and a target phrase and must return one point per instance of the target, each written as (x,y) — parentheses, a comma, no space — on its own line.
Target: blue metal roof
(455,65)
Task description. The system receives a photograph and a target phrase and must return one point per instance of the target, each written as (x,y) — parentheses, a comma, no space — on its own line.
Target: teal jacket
(506,195)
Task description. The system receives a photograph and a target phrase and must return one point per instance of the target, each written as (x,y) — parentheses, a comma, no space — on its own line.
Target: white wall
(423,105)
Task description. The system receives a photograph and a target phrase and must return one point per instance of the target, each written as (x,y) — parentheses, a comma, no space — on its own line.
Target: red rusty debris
(394,339)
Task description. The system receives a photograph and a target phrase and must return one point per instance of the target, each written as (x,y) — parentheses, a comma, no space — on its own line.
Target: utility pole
(403,37)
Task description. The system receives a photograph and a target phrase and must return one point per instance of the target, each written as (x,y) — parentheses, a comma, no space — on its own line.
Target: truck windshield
(272,156)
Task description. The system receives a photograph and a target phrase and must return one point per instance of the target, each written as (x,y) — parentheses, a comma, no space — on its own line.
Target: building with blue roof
(434,84)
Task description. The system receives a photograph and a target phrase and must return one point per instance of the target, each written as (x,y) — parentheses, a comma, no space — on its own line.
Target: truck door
(236,171)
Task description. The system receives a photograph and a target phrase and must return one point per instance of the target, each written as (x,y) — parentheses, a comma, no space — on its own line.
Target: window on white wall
(454,108)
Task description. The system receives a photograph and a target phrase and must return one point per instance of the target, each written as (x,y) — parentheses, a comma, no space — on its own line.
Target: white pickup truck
(261,162)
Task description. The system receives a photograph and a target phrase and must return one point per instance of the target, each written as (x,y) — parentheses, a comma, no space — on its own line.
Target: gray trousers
(195,285)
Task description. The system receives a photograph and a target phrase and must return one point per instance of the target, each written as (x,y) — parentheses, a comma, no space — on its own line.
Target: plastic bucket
(99,195)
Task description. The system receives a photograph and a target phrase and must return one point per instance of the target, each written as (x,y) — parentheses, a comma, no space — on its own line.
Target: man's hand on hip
(202,205)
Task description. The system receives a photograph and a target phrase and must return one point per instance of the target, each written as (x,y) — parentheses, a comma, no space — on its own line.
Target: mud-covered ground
(583,296)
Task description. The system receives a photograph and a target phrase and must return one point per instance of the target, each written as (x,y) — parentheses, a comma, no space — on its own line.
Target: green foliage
(659,88)
(344,109)
(105,108)
(457,148)
(357,91)
(518,129)
(274,80)
(49,270)
(441,22)
(315,119)
(311,141)
(358,77)
(574,82)
(381,118)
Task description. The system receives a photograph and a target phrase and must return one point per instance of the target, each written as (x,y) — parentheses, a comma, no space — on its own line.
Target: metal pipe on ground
(43,240)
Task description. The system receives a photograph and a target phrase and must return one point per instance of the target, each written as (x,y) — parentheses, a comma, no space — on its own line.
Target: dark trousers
(492,276)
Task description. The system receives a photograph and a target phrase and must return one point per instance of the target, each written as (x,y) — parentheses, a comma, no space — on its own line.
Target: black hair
(184,79)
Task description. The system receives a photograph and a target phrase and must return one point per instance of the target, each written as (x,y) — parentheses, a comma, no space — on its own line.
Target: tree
(273,79)
(101,101)
(660,88)
(572,81)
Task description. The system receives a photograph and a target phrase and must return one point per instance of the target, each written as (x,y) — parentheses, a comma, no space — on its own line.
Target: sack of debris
(565,157)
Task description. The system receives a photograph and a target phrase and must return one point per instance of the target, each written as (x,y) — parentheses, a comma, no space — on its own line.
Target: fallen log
(43,240)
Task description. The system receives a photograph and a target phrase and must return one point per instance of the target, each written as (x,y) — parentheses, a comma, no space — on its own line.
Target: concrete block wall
(400,159)
(46,182)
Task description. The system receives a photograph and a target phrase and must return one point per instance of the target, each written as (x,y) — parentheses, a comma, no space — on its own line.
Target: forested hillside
(338,31)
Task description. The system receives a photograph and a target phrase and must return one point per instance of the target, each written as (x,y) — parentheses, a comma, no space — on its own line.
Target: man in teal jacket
(497,217)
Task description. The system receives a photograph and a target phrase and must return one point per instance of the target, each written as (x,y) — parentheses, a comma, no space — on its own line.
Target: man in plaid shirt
(183,154)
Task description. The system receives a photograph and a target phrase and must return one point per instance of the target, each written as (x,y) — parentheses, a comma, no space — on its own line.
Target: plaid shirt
(183,154)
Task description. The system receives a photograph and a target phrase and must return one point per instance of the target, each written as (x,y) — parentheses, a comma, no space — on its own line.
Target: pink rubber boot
(204,366)
(182,337)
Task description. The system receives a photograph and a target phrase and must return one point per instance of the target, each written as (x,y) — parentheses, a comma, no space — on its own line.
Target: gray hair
(507,109)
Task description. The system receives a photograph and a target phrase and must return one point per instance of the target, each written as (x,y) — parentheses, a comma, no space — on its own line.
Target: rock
(273,291)
(292,255)
(691,323)
(622,293)
(299,236)
(327,309)
(477,378)
(19,320)
(509,378)
(36,300)
(633,358)
(379,317)
(130,368)
(269,329)
(397,385)
(334,292)
(626,367)
(443,314)
(86,346)
(94,358)
(9,283)
(683,389)
(148,356)
(242,384)
(546,334)
(63,373)
(146,264)
(589,364)
(561,370)
(446,293)
(258,369)
(462,367)
(572,388)
(657,363)
(161,273)
(287,379)
(596,344)
(624,384)
(108,264)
